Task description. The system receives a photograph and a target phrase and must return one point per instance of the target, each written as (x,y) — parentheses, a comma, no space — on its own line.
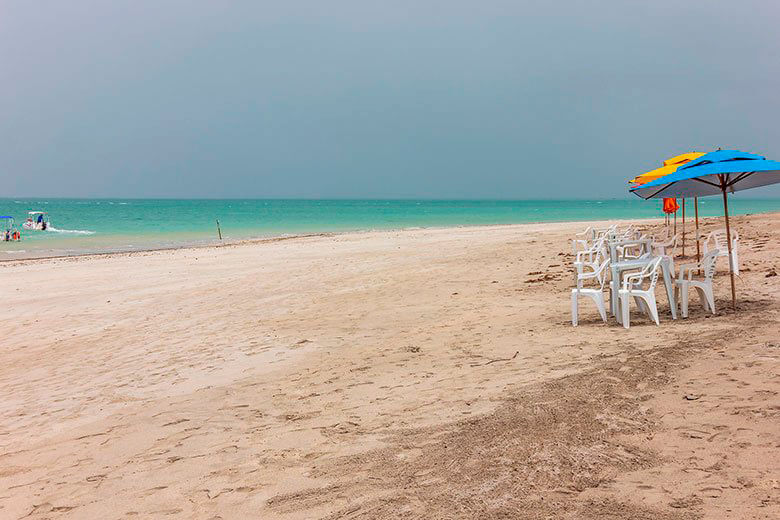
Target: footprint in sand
(711,492)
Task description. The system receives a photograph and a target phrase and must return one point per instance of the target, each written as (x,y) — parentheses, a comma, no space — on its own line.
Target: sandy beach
(429,373)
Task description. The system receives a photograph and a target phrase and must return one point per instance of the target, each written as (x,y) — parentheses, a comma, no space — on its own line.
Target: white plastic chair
(606,232)
(662,247)
(717,240)
(663,236)
(645,298)
(703,287)
(667,248)
(628,233)
(583,240)
(634,251)
(592,257)
(597,295)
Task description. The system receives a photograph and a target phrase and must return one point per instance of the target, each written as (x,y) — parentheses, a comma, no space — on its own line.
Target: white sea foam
(70,231)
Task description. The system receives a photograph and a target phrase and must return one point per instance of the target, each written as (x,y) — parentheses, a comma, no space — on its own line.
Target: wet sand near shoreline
(417,373)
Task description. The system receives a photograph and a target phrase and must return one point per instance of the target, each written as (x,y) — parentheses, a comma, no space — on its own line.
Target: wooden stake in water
(219,231)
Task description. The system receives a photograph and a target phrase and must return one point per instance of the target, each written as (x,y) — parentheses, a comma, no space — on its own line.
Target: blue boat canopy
(711,174)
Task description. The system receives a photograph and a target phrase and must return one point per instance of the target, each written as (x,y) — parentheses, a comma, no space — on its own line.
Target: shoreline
(356,232)
(277,238)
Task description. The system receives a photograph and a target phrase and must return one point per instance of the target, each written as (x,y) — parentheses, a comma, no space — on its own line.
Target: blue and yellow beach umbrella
(670,205)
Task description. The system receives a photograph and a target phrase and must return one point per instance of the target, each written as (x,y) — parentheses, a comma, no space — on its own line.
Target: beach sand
(400,374)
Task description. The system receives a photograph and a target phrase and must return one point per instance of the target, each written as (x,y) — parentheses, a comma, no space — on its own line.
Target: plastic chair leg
(684,300)
(574,308)
(676,296)
(624,309)
(702,298)
(707,297)
(640,304)
(616,305)
(653,308)
(602,309)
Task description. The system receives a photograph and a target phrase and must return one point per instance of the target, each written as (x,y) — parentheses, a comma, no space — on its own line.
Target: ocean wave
(70,231)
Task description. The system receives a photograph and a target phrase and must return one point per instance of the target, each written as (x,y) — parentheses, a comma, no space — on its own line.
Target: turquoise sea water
(101,225)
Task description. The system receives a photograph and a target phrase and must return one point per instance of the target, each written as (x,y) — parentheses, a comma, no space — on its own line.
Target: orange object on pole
(670,206)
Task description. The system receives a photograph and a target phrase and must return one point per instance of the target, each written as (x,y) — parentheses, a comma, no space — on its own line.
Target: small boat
(9,233)
(36,221)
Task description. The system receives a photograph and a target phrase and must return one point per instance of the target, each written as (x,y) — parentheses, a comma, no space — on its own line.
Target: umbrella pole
(696,212)
(683,228)
(728,238)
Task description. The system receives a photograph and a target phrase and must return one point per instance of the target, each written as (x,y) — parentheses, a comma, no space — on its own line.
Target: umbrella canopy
(713,173)
(670,166)
(683,158)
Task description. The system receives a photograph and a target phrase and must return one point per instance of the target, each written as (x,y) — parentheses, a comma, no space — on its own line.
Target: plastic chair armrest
(587,276)
(689,268)
(632,279)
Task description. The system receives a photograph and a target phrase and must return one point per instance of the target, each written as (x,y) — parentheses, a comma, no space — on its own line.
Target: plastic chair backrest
(600,272)
(655,263)
(599,247)
(601,275)
(708,263)
(604,233)
(652,270)
(719,238)
(588,234)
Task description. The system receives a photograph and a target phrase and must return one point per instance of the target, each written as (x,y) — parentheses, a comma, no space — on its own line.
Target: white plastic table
(639,263)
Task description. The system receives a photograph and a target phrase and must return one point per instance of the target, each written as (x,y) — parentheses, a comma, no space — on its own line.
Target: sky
(364,99)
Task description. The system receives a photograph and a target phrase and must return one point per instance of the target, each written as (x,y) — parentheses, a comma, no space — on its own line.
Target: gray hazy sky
(446,99)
